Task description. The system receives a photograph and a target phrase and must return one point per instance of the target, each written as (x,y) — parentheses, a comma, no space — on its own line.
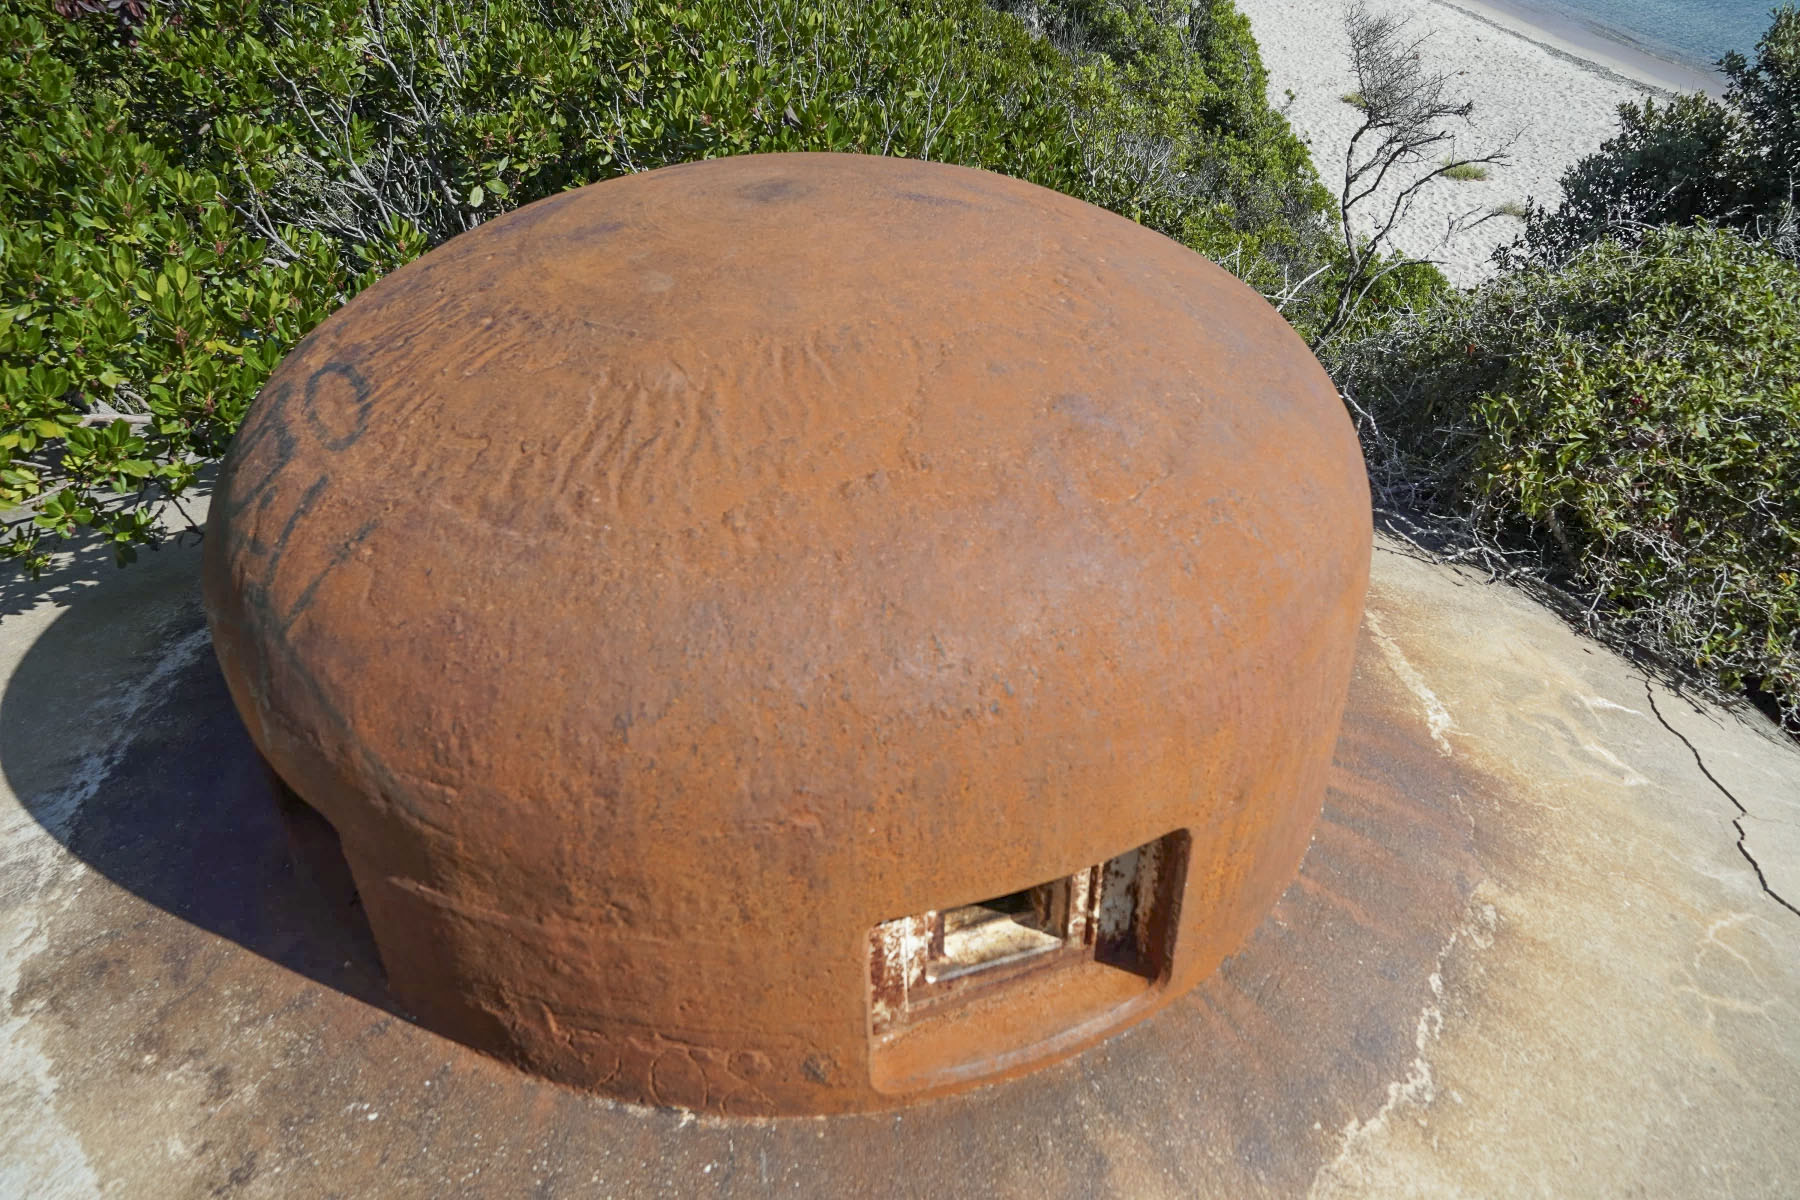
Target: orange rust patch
(662,587)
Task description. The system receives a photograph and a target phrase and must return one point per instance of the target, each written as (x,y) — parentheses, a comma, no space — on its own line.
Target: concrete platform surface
(1545,943)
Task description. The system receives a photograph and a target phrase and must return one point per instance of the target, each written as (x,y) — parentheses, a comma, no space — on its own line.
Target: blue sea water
(1692,32)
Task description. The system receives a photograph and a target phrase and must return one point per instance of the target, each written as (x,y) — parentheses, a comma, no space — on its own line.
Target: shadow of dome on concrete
(141,768)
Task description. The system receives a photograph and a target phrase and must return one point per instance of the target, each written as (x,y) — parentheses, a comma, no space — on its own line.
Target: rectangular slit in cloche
(1114,914)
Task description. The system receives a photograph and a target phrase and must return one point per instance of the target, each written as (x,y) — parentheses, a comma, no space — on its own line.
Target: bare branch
(1408,114)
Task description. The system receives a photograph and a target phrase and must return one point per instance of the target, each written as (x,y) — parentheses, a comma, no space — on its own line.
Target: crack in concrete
(1737,822)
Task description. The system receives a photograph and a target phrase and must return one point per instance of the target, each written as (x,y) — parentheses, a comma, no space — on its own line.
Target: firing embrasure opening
(1081,942)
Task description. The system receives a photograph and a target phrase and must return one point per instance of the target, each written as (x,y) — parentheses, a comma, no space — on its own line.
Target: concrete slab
(1543,944)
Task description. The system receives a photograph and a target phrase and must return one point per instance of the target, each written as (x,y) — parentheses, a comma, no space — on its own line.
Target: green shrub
(138,316)
(345,113)
(1174,130)
(1465,172)
(180,202)
(1734,162)
(1635,413)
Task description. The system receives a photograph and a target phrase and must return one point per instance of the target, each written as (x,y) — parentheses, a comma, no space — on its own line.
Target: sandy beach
(1549,94)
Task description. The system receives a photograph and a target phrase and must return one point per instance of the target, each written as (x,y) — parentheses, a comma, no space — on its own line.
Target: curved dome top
(754,551)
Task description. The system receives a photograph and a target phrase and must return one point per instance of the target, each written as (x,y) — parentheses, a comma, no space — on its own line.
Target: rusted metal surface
(663,587)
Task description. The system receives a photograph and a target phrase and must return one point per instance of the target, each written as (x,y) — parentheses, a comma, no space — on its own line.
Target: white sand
(1554,98)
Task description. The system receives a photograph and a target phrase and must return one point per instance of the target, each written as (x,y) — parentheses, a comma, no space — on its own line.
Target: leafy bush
(138,316)
(1636,414)
(181,201)
(1734,163)
(1174,131)
(441,115)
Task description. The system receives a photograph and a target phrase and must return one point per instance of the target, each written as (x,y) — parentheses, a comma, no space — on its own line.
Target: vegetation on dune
(1618,411)
(1733,162)
(1175,132)
(1634,414)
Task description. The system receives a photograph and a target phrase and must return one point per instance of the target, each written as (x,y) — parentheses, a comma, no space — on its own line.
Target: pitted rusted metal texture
(711,605)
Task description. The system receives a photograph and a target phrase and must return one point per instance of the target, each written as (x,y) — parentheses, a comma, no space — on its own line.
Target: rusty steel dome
(798,633)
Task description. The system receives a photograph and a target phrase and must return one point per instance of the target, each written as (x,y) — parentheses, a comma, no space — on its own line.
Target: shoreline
(1544,95)
(1588,47)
